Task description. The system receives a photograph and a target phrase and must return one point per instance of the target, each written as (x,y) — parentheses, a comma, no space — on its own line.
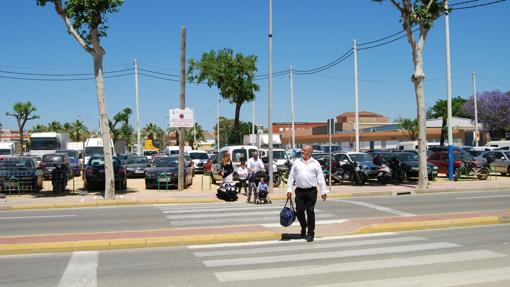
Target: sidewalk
(203,192)
(229,234)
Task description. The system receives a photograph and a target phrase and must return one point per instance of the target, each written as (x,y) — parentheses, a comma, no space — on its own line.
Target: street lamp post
(449,93)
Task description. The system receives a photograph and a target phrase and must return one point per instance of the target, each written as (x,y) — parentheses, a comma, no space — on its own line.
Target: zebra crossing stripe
(327,255)
(471,277)
(279,242)
(81,271)
(256,274)
(307,246)
(224,214)
(222,209)
(240,219)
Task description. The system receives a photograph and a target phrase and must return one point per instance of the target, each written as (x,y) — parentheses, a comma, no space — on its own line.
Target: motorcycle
(353,172)
(336,177)
(391,171)
(470,168)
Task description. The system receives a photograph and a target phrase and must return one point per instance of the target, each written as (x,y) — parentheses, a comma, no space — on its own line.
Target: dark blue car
(19,174)
(74,159)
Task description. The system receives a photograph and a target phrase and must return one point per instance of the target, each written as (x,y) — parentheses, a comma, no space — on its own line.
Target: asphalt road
(122,218)
(455,257)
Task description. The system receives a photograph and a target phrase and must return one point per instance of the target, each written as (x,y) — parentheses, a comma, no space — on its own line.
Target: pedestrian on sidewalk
(306,174)
(242,172)
(255,165)
(227,169)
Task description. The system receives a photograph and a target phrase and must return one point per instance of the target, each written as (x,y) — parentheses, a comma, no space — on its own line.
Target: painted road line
(222,209)
(81,271)
(318,222)
(482,197)
(328,255)
(296,271)
(240,219)
(278,242)
(304,247)
(377,207)
(224,214)
(471,277)
(36,217)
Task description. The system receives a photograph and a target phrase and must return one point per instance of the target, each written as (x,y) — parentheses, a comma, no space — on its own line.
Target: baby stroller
(262,196)
(227,192)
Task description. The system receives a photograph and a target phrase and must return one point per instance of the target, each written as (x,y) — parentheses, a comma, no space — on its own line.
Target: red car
(440,158)
(208,164)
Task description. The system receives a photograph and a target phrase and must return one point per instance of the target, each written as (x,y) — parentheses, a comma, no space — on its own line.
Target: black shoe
(309,238)
(303,232)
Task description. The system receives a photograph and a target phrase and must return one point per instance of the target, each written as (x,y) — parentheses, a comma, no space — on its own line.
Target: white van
(236,153)
(505,145)
(413,145)
(94,146)
(174,149)
(7,148)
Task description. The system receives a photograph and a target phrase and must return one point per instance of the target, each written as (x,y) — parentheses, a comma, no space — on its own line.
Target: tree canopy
(22,112)
(232,75)
(411,126)
(440,110)
(493,111)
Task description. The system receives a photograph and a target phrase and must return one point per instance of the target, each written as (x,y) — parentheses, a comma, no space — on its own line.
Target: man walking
(306,174)
(255,165)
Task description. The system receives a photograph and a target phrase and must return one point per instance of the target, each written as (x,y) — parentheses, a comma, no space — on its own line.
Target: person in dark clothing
(306,174)
(227,169)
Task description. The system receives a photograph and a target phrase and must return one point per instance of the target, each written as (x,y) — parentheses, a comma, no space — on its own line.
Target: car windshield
(198,155)
(360,157)
(16,164)
(91,150)
(95,161)
(137,159)
(405,156)
(507,153)
(279,155)
(150,152)
(53,158)
(167,162)
(70,153)
(237,154)
(5,151)
(43,143)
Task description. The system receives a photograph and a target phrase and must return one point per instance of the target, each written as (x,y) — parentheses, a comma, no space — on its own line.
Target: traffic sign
(181,118)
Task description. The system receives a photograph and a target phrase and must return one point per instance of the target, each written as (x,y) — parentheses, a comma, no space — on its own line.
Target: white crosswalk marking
(328,254)
(443,279)
(81,271)
(357,256)
(232,213)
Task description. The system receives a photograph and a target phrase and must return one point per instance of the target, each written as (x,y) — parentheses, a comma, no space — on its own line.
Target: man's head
(306,152)
(255,154)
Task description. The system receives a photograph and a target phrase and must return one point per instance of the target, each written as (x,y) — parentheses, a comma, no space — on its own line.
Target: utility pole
(356,111)
(139,147)
(292,107)
(270,107)
(331,123)
(218,122)
(182,106)
(476,137)
(253,124)
(449,92)
(194,131)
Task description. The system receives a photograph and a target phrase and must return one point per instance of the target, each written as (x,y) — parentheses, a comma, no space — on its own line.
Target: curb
(87,245)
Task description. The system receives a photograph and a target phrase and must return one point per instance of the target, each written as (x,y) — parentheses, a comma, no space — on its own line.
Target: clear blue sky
(306,34)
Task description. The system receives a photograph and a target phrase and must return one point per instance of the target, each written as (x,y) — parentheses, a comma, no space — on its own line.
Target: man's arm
(290,180)
(322,182)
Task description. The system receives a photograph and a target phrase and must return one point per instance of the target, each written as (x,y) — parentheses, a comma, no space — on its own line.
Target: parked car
(166,169)
(410,164)
(323,159)
(440,159)
(209,163)
(199,158)
(94,177)
(501,161)
(50,161)
(236,153)
(74,159)
(363,159)
(19,171)
(136,166)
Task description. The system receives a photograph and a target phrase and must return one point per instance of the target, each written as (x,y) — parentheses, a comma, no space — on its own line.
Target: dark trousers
(305,201)
(242,183)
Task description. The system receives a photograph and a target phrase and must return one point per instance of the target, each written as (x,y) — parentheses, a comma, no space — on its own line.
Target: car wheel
(508,170)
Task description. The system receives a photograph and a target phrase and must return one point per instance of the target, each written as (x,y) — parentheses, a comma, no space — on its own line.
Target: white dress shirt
(242,172)
(307,174)
(255,166)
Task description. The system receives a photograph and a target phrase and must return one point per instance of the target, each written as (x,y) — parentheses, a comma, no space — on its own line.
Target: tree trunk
(109,187)
(418,77)
(443,127)
(235,133)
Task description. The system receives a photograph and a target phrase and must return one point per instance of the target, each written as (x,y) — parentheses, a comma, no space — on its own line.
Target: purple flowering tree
(493,111)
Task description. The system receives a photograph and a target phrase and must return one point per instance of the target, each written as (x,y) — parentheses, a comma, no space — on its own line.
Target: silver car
(501,162)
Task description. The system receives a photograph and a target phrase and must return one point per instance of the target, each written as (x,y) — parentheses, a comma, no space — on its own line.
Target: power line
(62,79)
(61,75)
(158,73)
(480,5)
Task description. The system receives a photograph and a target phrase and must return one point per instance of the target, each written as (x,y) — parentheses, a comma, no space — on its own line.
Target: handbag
(288,214)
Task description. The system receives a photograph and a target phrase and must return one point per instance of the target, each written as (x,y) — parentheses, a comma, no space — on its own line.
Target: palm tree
(199,135)
(153,130)
(78,131)
(55,126)
(23,113)
(39,129)
(124,130)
